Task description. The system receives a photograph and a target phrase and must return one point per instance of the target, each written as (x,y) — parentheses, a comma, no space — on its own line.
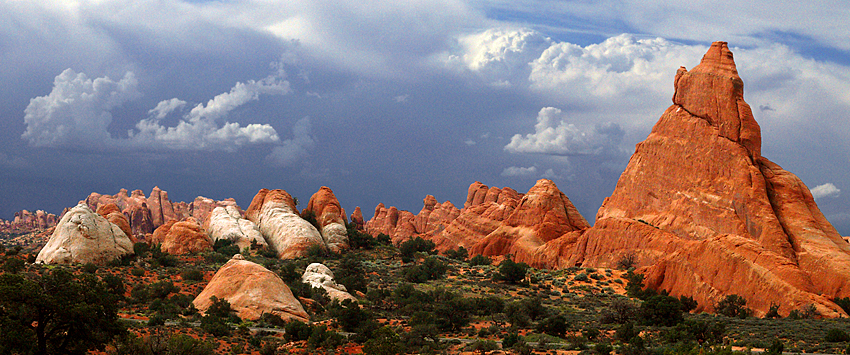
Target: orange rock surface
(708,216)
(275,214)
(251,290)
(330,217)
(357,219)
(113,214)
(184,237)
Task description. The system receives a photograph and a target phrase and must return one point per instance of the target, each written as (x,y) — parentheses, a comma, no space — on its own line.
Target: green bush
(90,268)
(415,245)
(351,273)
(580,277)
(480,260)
(460,254)
(511,272)
(836,335)
(661,310)
(430,269)
(192,275)
(733,306)
(137,272)
(226,247)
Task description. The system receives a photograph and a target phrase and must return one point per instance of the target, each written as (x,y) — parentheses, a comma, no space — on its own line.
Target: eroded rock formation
(25,221)
(183,237)
(708,216)
(274,212)
(319,275)
(227,223)
(251,290)
(330,217)
(82,236)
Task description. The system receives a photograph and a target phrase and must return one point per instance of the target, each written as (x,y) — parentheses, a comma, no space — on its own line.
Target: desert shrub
(310,216)
(415,245)
(358,239)
(688,303)
(582,277)
(634,286)
(773,312)
(137,272)
(352,318)
(661,310)
(162,289)
(226,247)
(460,254)
(511,272)
(627,261)
(775,348)
(192,275)
(215,325)
(384,239)
(480,260)
(810,312)
(836,335)
(626,332)
(733,306)
(385,341)
(351,273)
(296,331)
(430,269)
(13,265)
(555,325)
(703,332)
(289,272)
(141,249)
(620,311)
(90,268)
(114,284)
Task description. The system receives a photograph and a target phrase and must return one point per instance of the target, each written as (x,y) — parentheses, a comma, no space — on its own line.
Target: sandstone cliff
(183,237)
(227,223)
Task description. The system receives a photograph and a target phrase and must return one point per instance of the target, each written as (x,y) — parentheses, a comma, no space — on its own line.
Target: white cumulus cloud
(294,149)
(77,113)
(555,136)
(825,190)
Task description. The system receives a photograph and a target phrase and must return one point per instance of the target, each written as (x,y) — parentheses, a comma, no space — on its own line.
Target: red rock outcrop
(493,221)
(114,215)
(275,214)
(357,219)
(184,237)
(251,290)
(161,208)
(330,216)
(201,207)
(708,216)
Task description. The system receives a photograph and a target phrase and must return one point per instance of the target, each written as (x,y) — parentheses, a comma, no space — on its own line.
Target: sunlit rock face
(183,237)
(83,236)
(708,216)
(319,275)
(274,212)
(251,290)
(227,223)
(330,217)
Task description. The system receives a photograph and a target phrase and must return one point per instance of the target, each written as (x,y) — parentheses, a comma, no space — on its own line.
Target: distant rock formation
(227,223)
(319,275)
(201,207)
(82,236)
(330,216)
(161,208)
(26,221)
(251,290)
(184,237)
(492,222)
(274,212)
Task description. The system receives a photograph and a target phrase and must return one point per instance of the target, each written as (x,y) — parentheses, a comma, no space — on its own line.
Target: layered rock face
(331,218)
(227,223)
(184,237)
(319,275)
(708,216)
(274,212)
(251,290)
(82,236)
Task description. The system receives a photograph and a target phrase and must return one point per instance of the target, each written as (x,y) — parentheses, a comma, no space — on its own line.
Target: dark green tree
(661,310)
(733,306)
(56,313)
(412,246)
(511,272)
(351,273)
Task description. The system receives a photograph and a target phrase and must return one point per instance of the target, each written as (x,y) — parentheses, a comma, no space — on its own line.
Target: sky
(388,101)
